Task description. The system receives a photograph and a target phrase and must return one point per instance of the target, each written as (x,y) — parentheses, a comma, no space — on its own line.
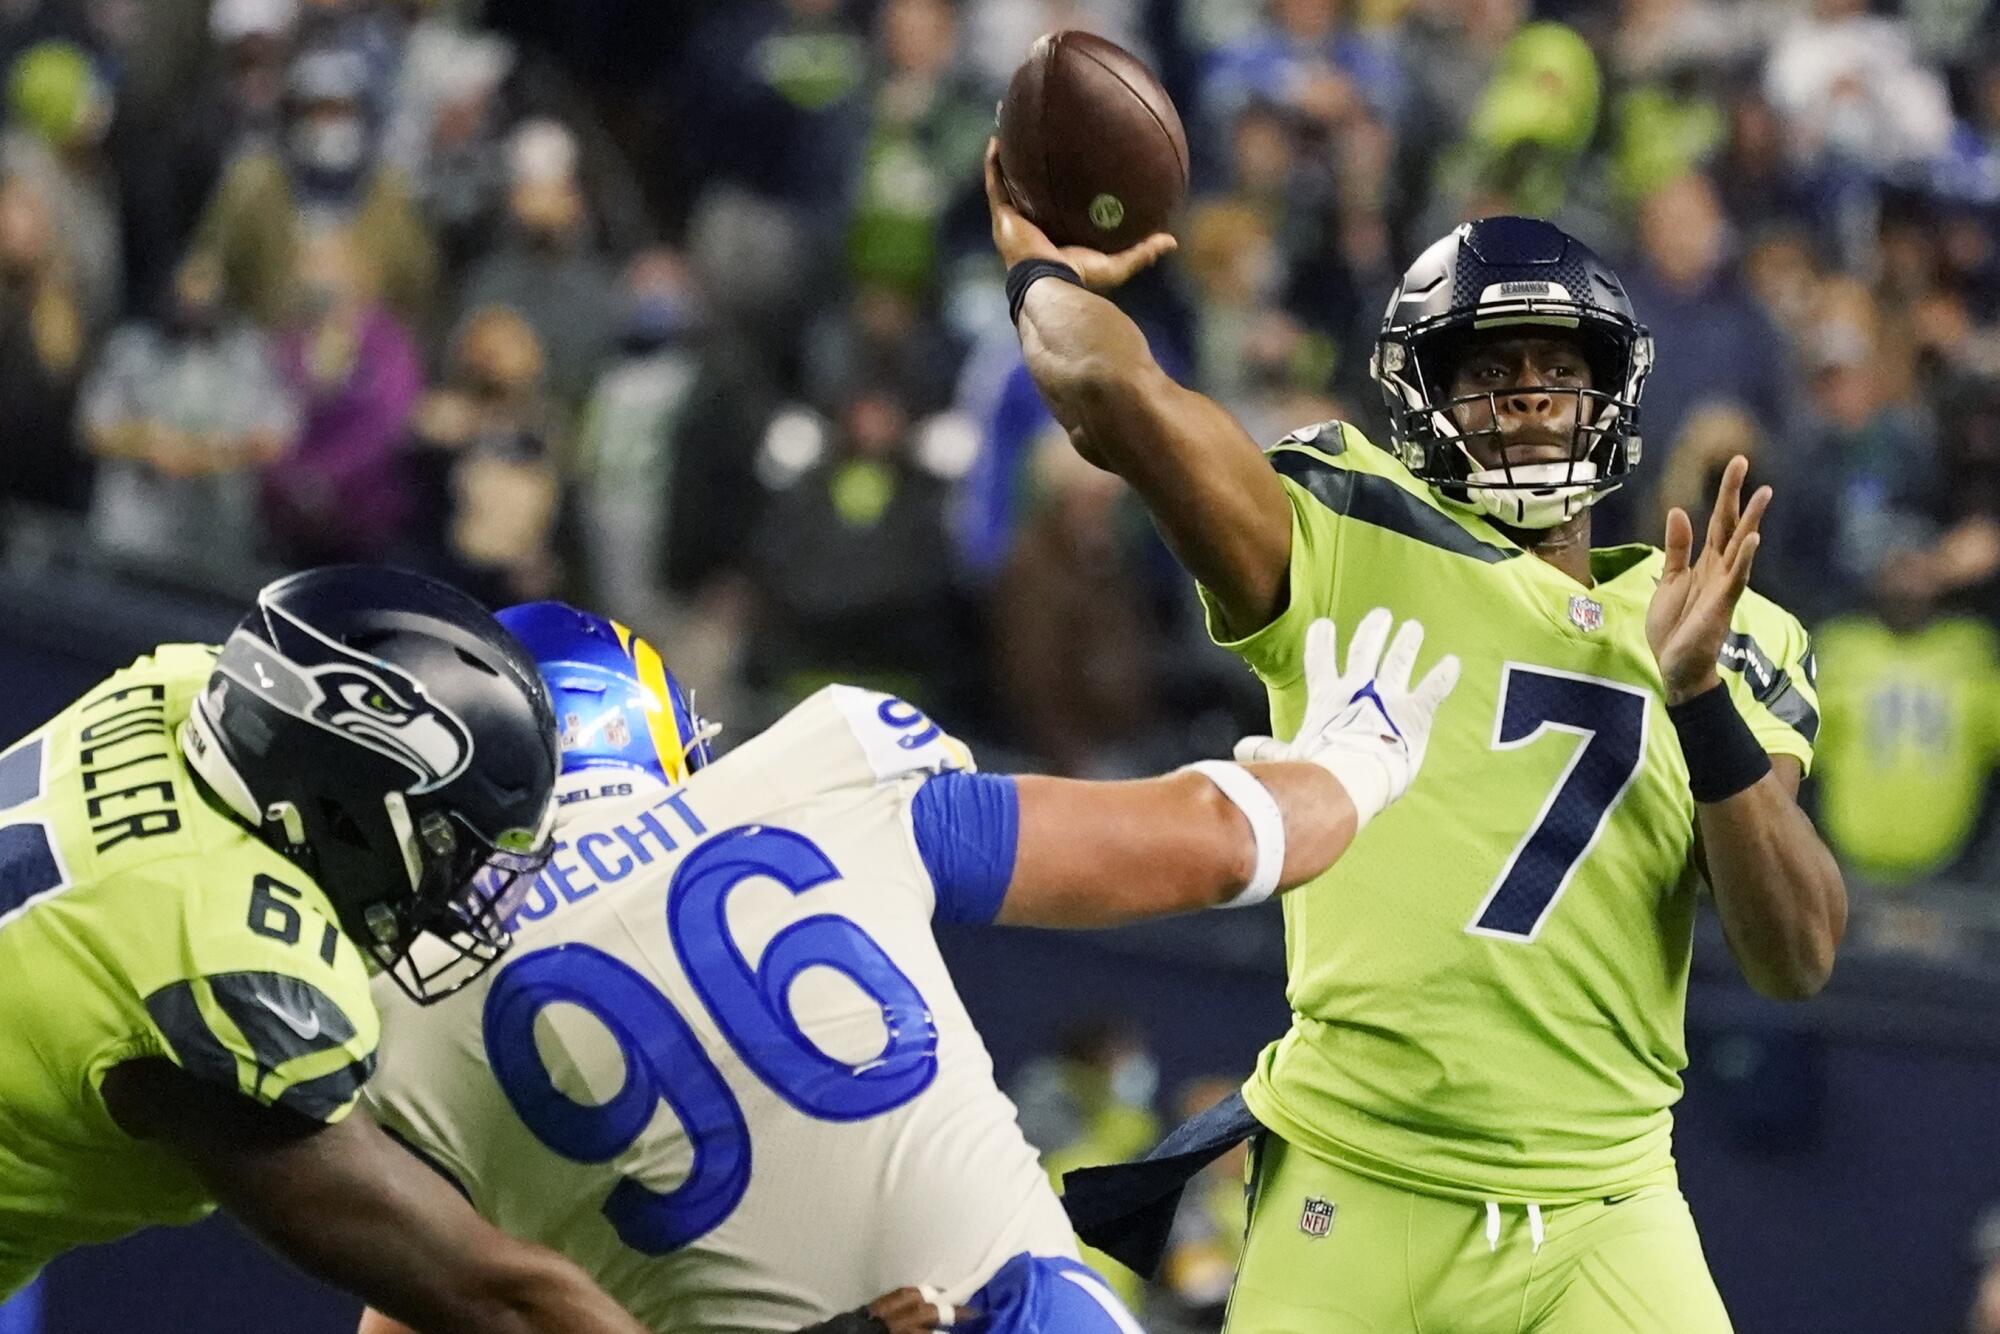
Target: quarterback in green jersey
(1467,1127)
(202,863)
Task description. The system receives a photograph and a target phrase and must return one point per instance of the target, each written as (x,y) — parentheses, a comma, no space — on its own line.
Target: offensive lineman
(1467,1127)
(201,862)
(726,1070)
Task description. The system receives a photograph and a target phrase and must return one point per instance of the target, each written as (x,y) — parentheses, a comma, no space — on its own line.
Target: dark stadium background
(1821,266)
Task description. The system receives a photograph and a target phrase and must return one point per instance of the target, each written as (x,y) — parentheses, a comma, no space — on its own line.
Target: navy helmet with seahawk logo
(383,731)
(1486,279)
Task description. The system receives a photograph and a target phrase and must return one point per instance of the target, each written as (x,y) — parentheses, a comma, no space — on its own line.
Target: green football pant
(1332,1252)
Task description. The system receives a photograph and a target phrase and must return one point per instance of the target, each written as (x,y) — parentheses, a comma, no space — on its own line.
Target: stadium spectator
(1759,191)
(851,564)
(1863,479)
(356,372)
(326,175)
(1853,93)
(445,132)
(1073,644)
(1310,57)
(484,448)
(998,33)
(1449,49)
(1910,703)
(169,166)
(1521,150)
(926,135)
(770,97)
(182,412)
(547,268)
(41,355)
(1712,342)
(625,449)
(883,334)
(59,107)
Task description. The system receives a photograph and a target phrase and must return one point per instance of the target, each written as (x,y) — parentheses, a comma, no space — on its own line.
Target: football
(1091,147)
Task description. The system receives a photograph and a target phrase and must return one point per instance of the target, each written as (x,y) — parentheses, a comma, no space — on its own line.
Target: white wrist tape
(1267,825)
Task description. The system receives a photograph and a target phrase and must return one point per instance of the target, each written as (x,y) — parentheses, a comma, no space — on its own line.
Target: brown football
(1091,147)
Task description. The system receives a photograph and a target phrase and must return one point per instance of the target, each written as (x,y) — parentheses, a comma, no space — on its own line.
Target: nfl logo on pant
(1316,1218)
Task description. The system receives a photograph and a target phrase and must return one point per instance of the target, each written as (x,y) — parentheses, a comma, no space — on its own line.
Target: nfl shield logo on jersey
(1586,614)
(1316,1218)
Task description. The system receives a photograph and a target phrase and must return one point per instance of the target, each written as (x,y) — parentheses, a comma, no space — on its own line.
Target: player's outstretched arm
(345,1203)
(1099,854)
(1778,889)
(1216,499)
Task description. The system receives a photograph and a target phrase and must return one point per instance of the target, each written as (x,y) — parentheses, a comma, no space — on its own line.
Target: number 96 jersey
(1488,988)
(724,1067)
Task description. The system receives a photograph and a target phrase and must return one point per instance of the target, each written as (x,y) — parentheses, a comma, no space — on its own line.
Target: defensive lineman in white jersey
(725,1068)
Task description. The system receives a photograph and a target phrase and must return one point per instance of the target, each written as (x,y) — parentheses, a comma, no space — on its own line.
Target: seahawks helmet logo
(368,701)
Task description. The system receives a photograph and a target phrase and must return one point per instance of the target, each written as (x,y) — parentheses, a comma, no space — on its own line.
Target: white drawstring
(1536,1234)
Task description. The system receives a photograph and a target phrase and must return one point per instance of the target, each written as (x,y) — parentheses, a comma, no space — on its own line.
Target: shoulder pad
(898,738)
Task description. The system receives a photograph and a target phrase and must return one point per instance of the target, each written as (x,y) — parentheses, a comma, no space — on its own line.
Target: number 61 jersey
(724,1067)
(139,920)
(1488,988)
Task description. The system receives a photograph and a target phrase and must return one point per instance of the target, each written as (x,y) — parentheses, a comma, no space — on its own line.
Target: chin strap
(1553,493)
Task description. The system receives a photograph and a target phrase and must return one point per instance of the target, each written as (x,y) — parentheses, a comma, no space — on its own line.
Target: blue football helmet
(616,704)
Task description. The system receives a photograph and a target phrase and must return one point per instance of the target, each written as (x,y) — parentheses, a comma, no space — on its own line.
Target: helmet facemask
(1431,436)
(467,890)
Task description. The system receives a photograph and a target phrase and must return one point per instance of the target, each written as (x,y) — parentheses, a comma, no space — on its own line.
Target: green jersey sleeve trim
(1768,664)
(1377,501)
(273,1037)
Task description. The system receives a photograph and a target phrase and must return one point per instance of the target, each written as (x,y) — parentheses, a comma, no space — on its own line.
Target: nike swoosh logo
(306,1026)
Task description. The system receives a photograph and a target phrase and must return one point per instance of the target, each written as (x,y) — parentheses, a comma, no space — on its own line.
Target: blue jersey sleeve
(967,827)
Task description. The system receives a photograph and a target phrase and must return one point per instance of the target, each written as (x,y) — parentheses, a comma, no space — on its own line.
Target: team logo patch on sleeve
(1316,1218)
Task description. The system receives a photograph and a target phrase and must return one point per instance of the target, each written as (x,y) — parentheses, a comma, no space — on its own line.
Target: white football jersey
(724,1067)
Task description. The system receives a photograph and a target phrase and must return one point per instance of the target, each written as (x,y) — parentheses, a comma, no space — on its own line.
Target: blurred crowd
(688,312)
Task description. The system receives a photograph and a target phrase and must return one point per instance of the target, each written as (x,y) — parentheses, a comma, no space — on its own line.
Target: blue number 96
(664,1061)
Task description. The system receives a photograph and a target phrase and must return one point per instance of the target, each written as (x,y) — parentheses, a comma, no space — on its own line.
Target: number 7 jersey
(1488,988)
(724,1067)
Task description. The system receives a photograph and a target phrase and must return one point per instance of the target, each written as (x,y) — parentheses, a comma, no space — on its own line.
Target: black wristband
(1023,274)
(1723,757)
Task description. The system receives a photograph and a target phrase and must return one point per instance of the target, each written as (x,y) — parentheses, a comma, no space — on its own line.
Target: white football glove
(1365,726)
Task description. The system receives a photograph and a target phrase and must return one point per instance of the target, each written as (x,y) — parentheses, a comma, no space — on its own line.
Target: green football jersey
(1912,734)
(139,920)
(1488,988)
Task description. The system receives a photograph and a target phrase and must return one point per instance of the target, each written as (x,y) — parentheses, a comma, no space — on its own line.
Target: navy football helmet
(381,730)
(1512,274)
(617,705)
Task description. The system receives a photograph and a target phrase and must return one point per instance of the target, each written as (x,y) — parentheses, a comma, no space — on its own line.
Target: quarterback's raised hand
(1017,239)
(1690,612)
(1366,725)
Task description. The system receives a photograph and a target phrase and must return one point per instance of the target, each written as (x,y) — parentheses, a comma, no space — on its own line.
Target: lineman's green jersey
(1488,988)
(138,920)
